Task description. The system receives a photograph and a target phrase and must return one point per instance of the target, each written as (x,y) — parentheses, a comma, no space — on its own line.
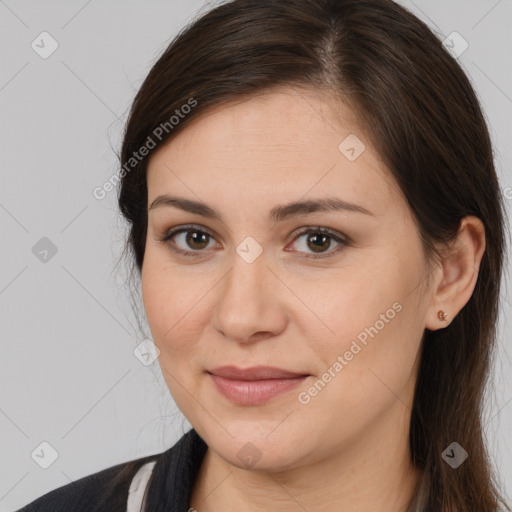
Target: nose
(249,305)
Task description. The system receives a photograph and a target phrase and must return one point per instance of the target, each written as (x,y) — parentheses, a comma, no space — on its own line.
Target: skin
(348,446)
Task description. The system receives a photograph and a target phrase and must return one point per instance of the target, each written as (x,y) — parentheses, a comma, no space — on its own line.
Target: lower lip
(254,392)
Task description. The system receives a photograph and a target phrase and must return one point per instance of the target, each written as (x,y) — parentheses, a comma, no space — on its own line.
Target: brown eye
(188,240)
(311,241)
(318,242)
(196,240)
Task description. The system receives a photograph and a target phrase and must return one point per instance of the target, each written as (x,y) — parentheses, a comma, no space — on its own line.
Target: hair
(423,117)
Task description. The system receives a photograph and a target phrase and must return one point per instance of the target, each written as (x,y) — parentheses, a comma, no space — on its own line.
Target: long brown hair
(426,122)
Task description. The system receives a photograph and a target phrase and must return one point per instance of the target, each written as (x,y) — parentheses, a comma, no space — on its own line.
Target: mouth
(255,385)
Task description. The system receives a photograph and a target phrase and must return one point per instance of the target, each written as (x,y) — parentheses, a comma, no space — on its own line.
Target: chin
(251,447)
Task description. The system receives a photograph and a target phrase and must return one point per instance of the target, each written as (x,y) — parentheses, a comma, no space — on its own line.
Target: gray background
(68,373)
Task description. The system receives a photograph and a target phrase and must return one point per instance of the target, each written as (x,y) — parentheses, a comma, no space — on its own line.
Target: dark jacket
(168,490)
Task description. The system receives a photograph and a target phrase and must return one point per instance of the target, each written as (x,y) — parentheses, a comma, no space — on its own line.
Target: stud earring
(441,315)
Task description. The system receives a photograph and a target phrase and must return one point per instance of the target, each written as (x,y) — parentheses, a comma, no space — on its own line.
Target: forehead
(287,143)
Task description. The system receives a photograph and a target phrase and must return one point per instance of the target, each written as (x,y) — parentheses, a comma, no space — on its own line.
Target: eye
(319,240)
(182,239)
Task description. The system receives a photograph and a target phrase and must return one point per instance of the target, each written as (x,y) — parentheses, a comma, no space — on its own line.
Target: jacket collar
(175,473)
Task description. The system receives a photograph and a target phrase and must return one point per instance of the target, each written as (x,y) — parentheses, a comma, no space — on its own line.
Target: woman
(318,227)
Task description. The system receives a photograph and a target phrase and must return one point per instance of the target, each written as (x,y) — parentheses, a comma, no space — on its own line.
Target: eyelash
(343,241)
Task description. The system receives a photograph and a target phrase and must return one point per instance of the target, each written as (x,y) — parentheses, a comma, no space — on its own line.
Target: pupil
(315,238)
(193,237)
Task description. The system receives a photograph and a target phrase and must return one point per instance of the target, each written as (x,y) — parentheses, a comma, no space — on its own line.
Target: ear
(458,273)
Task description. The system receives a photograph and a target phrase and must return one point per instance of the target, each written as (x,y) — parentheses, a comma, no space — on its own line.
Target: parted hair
(423,117)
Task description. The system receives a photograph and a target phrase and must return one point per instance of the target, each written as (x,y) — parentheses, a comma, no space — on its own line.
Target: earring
(441,315)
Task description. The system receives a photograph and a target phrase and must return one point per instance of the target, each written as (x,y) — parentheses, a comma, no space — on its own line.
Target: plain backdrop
(73,395)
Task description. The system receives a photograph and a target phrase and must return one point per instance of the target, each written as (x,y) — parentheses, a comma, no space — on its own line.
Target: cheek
(366,314)
(174,303)
(163,303)
(157,302)
(343,302)
(368,362)
(173,309)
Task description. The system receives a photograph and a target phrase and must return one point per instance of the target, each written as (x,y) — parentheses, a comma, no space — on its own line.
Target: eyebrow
(277,213)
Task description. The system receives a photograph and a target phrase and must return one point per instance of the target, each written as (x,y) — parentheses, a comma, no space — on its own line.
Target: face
(334,294)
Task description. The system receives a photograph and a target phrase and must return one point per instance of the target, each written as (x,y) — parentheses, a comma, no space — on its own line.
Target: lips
(254,373)
(255,385)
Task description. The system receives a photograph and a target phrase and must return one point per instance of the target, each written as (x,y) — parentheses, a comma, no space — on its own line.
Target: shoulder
(168,481)
(92,492)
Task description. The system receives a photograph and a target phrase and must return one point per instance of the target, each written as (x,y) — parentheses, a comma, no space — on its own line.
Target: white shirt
(137,491)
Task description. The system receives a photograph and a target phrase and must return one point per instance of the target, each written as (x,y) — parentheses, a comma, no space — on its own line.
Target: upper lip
(254,373)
